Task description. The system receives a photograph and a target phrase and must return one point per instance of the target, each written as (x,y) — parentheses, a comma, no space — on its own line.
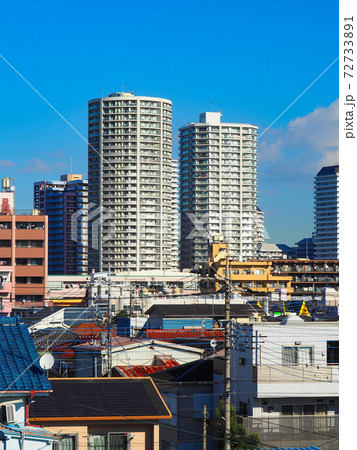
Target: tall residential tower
(218,167)
(130,183)
(326,213)
(65,202)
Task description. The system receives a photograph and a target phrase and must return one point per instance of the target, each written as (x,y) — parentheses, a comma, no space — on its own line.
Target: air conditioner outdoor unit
(8,413)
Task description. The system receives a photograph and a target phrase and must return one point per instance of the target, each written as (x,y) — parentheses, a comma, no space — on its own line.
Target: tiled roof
(170,335)
(47,339)
(19,360)
(99,399)
(90,331)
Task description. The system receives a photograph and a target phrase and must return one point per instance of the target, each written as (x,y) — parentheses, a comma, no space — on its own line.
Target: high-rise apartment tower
(65,202)
(130,183)
(326,213)
(218,172)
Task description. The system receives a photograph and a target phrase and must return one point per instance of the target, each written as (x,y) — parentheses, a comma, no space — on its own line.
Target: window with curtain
(297,356)
(110,441)
(66,443)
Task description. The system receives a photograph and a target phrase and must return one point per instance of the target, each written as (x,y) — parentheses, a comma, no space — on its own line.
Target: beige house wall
(144,436)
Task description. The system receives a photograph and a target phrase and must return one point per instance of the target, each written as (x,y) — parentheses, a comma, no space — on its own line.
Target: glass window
(297,356)
(287,410)
(112,441)
(333,349)
(66,443)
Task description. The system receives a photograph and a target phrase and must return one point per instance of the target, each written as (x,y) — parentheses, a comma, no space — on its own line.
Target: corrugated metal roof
(19,360)
(142,371)
(170,335)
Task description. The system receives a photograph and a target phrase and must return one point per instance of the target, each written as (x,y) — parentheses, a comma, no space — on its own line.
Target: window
(112,441)
(287,410)
(21,261)
(332,351)
(66,443)
(243,408)
(297,356)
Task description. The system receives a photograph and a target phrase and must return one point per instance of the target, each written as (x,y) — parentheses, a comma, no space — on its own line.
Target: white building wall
(263,347)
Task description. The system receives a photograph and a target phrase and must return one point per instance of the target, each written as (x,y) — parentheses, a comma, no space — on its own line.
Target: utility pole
(109,337)
(227,353)
(204,434)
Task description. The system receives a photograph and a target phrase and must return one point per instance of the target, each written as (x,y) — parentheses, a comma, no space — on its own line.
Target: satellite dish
(213,343)
(47,361)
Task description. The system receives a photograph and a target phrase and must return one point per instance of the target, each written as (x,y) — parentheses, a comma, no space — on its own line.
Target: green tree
(239,437)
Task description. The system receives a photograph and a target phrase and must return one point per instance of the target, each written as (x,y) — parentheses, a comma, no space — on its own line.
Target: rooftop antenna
(123,87)
(211,105)
(70,166)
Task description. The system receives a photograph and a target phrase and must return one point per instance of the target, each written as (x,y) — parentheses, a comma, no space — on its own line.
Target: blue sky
(251,59)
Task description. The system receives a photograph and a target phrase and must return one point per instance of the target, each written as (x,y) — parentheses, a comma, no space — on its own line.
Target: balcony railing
(295,374)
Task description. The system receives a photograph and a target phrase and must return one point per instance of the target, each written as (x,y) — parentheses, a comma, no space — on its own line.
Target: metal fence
(296,431)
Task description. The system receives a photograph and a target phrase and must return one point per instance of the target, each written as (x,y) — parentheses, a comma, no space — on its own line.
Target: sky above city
(270,64)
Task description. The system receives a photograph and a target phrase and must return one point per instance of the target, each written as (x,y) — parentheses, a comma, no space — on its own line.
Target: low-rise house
(187,389)
(22,379)
(285,379)
(208,316)
(101,413)
(91,358)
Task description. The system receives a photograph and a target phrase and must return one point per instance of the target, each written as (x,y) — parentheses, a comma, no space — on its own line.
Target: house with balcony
(285,379)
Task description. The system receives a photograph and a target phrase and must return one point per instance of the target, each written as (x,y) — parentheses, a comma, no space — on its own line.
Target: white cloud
(36,165)
(305,145)
(7,163)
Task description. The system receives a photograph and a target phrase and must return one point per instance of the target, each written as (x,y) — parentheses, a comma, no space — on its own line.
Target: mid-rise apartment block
(23,254)
(326,213)
(130,183)
(65,202)
(218,173)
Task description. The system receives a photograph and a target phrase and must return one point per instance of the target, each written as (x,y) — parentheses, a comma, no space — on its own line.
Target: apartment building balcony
(30,289)
(30,271)
(26,252)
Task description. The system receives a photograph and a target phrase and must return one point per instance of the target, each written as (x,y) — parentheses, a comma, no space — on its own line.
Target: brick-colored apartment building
(23,255)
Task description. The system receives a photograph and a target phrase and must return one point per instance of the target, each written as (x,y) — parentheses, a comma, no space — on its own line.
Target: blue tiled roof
(19,360)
